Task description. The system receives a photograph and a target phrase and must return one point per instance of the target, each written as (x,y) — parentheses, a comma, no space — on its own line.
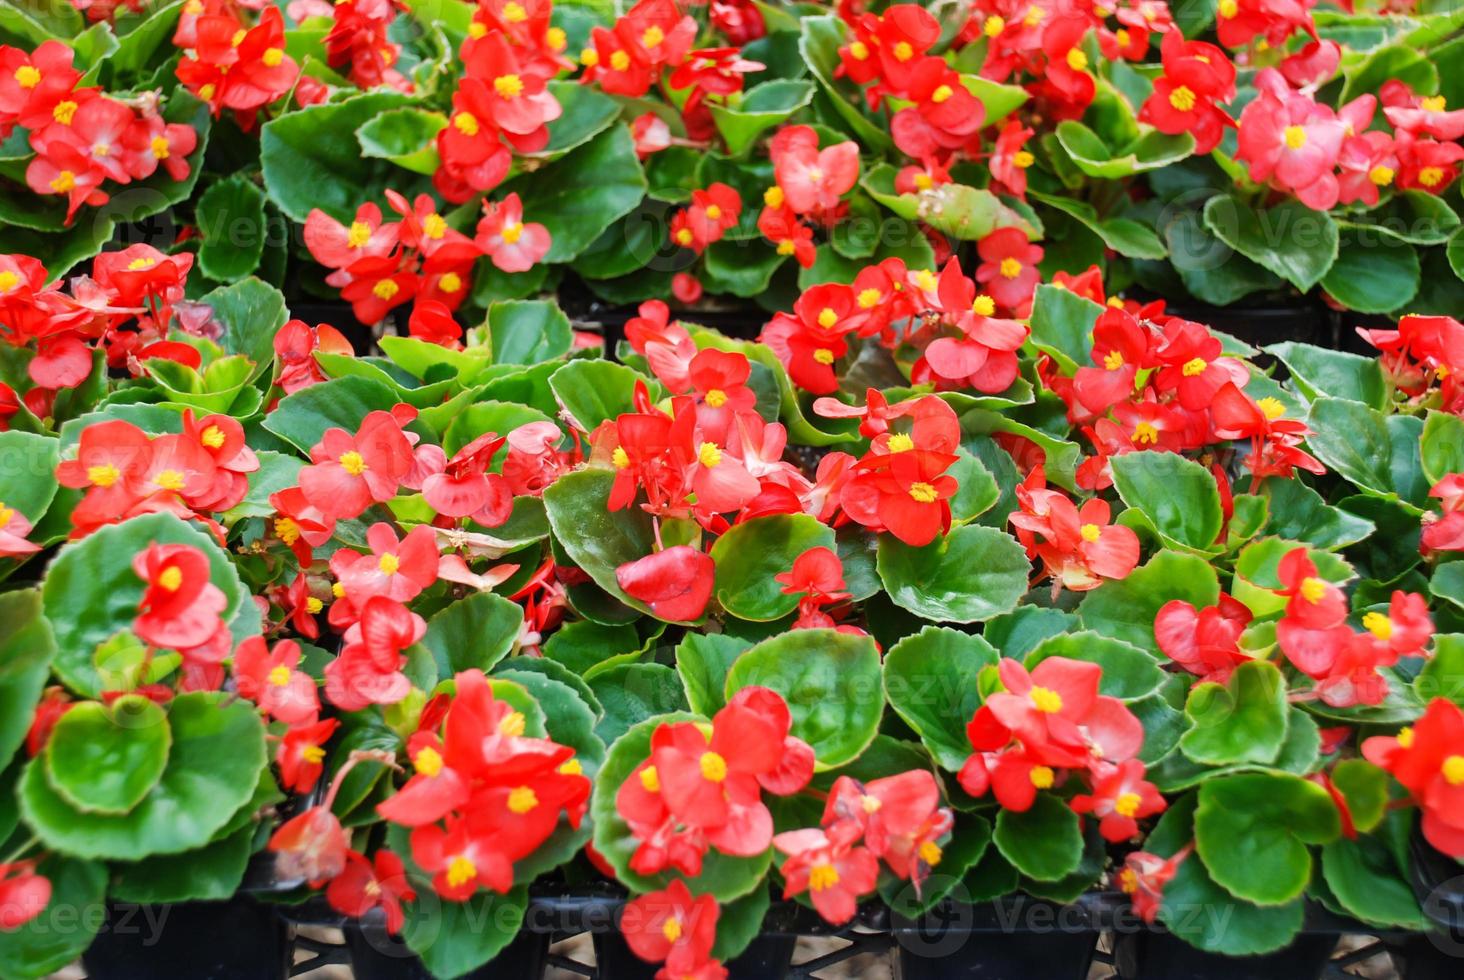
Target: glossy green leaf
(702,661)
(1044,842)
(831,682)
(341,403)
(1297,512)
(528,331)
(106,758)
(930,679)
(585,112)
(1378,453)
(1177,495)
(251,312)
(230,215)
(1094,157)
(311,159)
(1062,326)
(456,938)
(407,137)
(582,193)
(1125,609)
(1442,446)
(596,540)
(1240,721)
(1290,239)
(211,873)
(1374,274)
(759,109)
(1124,235)
(217,754)
(750,556)
(1318,372)
(819,44)
(969,575)
(26,649)
(1252,832)
(631,693)
(592,391)
(474,633)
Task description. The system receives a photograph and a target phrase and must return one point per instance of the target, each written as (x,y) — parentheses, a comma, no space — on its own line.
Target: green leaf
(311,159)
(1252,832)
(578,196)
(592,391)
(631,693)
(230,215)
(703,660)
(1177,495)
(1365,788)
(831,682)
(968,213)
(456,938)
(740,922)
(1375,274)
(930,680)
(528,331)
(1240,721)
(473,633)
(725,878)
(106,758)
(1290,239)
(43,945)
(486,415)
(760,108)
(1393,62)
(742,268)
(977,490)
(1298,513)
(1124,235)
(251,312)
(136,48)
(28,478)
(1210,269)
(217,754)
(751,554)
(1366,880)
(340,403)
(1062,326)
(211,873)
(1018,632)
(26,650)
(1442,446)
(1448,583)
(969,575)
(1044,842)
(1317,372)
(1202,913)
(596,540)
(1095,158)
(1125,609)
(407,137)
(1129,673)
(585,113)
(1377,453)
(91,592)
(583,644)
(997,99)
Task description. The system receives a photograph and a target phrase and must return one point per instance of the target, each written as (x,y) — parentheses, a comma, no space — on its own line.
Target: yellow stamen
(650,780)
(27,76)
(1041,777)
(1434,103)
(671,929)
(709,455)
(941,93)
(465,123)
(286,530)
(1453,770)
(103,476)
(923,493)
(823,356)
(64,112)
(827,318)
(63,182)
(313,605)
(1127,804)
(859,51)
(652,36)
(313,754)
(619,457)
(716,398)
(1010,268)
(1431,176)
(1077,60)
(1194,366)
(1023,159)
(1182,98)
(508,86)
(1379,625)
(514,13)
(1381,175)
(1271,408)
(171,578)
(773,196)
(714,212)
(280,676)
(1313,589)
(900,442)
(983,305)
(170,480)
(1090,532)
(353,462)
(993,26)
(903,51)
(1295,137)
(450,283)
(620,61)
(389,563)
(272,57)
(1046,700)
(522,799)
(1113,360)
(822,877)
(1145,435)
(512,725)
(460,871)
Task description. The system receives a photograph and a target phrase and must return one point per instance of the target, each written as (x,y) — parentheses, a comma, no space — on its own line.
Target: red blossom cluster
(1423,359)
(1314,635)
(358,41)
(1197,76)
(124,472)
(1078,546)
(1427,757)
(710,215)
(1445,532)
(1159,382)
(809,185)
(380,265)
(1327,157)
(231,65)
(675,928)
(896,819)
(702,786)
(1044,727)
(1205,642)
(502,104)
(82,137)
(817,578)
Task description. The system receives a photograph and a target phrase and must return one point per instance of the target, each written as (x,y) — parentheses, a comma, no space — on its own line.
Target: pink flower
(512,244)
(1290,140)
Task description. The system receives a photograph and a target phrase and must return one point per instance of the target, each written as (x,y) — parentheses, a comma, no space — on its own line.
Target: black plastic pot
(378,955)
(1164,956)
(240,939)
(766,957)
(1010,940)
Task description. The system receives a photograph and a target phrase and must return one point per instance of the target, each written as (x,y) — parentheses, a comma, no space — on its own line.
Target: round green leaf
(597,541)
(1316,371)
(1365,878)
(761,107)
(106,758)
(725,878)
(581,194)
(593,391)
(455,938)
(1044,842)
(1240,721)
(1252,832)
(749,556)
(528,331)
(211,873)
(1177,495)
(26,650)
(930,680)
(475,632)
(831,682)
(630,693)
(91,593)
(1125,609)
(1290,239)
(1373,274)
(969,575)
(212,770)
